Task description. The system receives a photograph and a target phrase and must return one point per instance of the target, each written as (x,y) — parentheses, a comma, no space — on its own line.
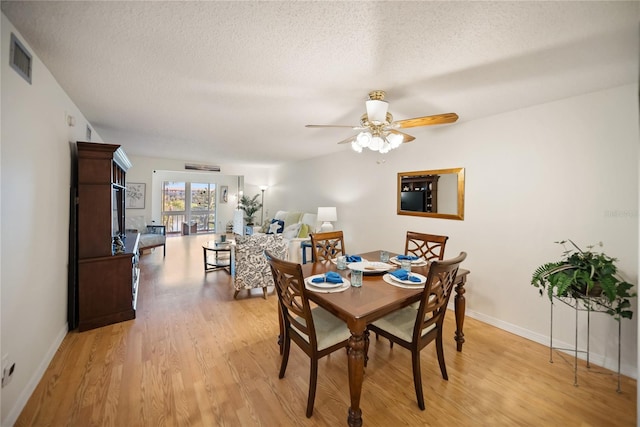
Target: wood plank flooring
(194,356)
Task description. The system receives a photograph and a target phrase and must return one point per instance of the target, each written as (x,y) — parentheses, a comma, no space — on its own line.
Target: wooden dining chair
(414,329)
(426,246)
(327,245)
(316,331)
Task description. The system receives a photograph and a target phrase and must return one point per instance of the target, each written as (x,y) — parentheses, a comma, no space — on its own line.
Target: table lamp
(326,215)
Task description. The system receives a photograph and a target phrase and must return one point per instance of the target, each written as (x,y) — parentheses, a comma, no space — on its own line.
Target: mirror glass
(432,193)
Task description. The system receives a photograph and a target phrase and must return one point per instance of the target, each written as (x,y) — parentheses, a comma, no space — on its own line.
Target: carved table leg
(356,375)
(460,307)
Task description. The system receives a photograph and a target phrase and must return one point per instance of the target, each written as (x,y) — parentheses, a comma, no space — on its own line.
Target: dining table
(360,306)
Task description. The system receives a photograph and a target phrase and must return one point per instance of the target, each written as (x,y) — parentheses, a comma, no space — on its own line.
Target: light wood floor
(194,356)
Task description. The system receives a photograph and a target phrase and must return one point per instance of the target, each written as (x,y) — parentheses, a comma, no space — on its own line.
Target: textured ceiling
(221,82)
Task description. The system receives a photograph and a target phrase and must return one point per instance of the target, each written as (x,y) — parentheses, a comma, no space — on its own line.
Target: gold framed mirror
(435,193)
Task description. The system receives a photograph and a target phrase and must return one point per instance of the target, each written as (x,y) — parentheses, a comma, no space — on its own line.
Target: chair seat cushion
(400,323)
(150,240)
(329,329)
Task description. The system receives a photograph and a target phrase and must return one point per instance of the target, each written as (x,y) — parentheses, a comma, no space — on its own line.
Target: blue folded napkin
(354,258)
(330,277)
(404,275)
(407,257)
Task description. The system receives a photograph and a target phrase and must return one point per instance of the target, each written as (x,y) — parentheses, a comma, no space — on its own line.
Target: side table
(306,244)
(218,255)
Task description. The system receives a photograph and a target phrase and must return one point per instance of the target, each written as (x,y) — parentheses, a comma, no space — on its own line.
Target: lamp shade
(377,111)
(327,214)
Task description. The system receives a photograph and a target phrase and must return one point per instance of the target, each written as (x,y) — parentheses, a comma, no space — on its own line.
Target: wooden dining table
(360,306)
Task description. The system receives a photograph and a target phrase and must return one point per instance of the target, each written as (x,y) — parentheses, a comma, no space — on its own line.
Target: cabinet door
(94,220)
(105,291)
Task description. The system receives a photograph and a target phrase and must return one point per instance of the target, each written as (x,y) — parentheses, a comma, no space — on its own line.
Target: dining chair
(327,245)
(414,329)
(316,331)
(426,246)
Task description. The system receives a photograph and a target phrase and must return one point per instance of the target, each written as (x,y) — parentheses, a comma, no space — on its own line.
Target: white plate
(422,281)
(322,285)
(370,267)
(335,260)
(418,262)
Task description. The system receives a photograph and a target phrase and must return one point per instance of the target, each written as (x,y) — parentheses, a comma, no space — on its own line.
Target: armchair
(251,267)
(151,236)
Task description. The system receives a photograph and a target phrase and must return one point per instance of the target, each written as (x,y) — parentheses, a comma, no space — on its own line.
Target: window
(191,203)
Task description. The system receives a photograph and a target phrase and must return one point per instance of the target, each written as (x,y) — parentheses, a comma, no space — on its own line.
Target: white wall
(152,171)
(527,172)
(567,169)
(34,223)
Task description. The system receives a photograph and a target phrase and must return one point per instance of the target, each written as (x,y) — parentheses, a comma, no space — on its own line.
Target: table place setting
(370,267)
(327,283)
(405,279)
(415,261)
(342,260)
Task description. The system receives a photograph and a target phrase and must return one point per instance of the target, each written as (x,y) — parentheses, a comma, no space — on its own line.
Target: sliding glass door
(203,206)
(189,207)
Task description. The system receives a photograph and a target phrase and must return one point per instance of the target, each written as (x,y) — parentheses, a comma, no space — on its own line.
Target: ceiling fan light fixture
(386,147)
(376,143)
(394,140)
(377,111)
(364,139)
(356,147)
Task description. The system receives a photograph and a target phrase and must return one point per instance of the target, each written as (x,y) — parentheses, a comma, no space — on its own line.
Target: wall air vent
(207,168)
(20,58)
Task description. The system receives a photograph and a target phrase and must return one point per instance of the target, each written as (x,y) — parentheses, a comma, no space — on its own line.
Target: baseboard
(26,393)
(596,359)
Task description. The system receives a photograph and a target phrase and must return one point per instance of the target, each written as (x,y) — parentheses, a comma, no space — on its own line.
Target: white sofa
(295,228)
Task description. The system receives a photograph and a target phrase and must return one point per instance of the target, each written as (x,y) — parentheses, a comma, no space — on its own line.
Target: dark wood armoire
(102,279)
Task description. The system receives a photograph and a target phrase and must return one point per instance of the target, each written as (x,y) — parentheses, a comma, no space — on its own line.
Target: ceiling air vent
(195,167)
(20,58)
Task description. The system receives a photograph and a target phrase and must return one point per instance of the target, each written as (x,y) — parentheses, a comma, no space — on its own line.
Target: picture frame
(135,195)
(224,194)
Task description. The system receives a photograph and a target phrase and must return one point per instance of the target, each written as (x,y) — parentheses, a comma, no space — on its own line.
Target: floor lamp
(262,188)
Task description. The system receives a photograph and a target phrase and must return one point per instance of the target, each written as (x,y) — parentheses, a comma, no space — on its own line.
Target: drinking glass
(356,278)
(341,262)
(384,256)
(405,264)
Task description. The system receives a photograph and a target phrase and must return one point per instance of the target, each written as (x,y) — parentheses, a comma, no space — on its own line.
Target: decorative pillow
(280,215)
(277,225)
(291,231)
(304,231)
(265,225)
(292,218)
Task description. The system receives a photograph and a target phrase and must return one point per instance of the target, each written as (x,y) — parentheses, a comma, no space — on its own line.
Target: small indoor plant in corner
(589,275)
(250,205)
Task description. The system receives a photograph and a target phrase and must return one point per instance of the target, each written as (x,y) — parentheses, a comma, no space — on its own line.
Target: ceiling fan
(379,132)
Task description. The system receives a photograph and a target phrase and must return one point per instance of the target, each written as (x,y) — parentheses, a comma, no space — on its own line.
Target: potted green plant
(588,275)
(250,205)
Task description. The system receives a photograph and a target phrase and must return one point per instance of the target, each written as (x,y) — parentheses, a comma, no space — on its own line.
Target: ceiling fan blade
(348,140)
(406,137)
(331,126)
(438,119)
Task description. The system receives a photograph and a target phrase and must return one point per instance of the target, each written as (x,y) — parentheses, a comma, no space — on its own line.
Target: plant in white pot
(589,275)
(250,206)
